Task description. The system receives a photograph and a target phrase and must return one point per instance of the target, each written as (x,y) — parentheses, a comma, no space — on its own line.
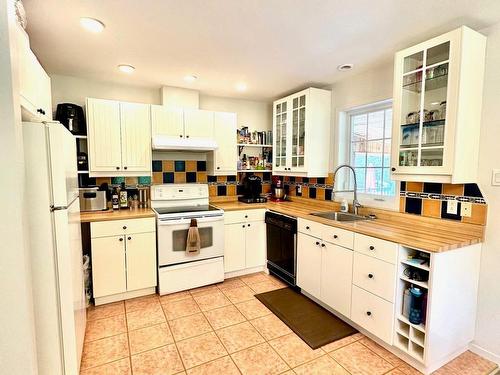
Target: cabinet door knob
(129,238)
(246,216)
(335,236)
(308,228)
(243,225)
(370,275)
(369,313)
(393,169)
(317,242)
(372,247)
(124,167)
(248,224)
(323,245)
(218,167)
(121,239)
(117,168)
(187,136)
(180,135)
(124,227)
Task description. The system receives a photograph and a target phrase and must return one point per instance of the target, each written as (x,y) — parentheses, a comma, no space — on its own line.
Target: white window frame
(344,178)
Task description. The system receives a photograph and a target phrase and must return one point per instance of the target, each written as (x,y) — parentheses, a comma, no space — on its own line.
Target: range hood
(168,143)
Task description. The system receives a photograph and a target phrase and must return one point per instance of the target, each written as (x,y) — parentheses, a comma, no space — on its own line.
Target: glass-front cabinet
(437,105)
(301,126)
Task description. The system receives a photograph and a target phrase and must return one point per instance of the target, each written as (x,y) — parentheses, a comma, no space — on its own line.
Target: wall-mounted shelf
(254,170)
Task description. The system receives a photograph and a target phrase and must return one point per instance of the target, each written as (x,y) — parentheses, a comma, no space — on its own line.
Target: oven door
(172,237)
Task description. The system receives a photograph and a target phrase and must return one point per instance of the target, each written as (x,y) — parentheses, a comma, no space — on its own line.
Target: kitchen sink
(340,216)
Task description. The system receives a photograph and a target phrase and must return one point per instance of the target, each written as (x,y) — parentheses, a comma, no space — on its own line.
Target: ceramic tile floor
(223,329)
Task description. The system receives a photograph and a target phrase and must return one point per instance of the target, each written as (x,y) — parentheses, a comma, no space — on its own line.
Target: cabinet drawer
(337,236)
(311,228)
(119,227)
(373,313)
(375,276)
(231,217)
(376,248)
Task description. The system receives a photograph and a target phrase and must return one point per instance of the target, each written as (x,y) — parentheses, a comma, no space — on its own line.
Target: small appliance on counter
(252,186)
(278,190)
(72,117)
(92,199)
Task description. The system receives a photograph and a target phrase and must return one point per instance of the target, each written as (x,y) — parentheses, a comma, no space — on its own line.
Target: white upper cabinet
(223,160)
(301,128)
(198,123)
(119,138)
(34,82)
(438,88)
(166,121)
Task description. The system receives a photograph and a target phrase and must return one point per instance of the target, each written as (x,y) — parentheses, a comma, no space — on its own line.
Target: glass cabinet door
(298,131)
(281,121)
(423,107)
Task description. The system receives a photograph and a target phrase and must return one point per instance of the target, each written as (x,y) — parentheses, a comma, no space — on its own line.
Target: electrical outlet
(452,207)
(466,209)
(299,189)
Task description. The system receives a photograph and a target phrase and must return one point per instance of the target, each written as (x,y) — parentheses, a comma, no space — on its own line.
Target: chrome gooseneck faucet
(355,202)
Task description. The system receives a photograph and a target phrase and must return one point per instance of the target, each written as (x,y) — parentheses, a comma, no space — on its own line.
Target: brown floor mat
(311,322)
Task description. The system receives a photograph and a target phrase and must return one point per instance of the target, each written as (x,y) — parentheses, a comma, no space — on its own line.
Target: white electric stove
(175,205)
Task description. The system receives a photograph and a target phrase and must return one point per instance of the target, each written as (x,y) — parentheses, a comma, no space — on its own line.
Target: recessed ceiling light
(241,86)
(190,78)
(91,24)
(126,68)
(345,67)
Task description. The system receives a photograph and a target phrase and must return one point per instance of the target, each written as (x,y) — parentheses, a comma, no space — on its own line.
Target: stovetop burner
(184,209)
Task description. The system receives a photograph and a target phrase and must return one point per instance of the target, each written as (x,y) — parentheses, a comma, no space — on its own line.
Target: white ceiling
(275,46)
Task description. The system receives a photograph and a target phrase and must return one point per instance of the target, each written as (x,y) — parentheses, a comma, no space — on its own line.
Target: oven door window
(179,238)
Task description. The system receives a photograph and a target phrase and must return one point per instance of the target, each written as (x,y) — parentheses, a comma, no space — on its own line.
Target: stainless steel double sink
(341,216)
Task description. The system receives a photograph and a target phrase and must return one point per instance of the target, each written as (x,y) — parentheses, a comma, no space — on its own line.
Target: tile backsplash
(316,188)
(431,200)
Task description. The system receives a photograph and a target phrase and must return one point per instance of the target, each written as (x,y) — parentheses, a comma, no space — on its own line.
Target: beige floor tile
(141,302)
(239,336)
(471,364)
(109,349)
(189,326)
(120,367)
(385,354)
(324,365)
(294,350)
(444,371)
(406,369)
(105,311)
(175,296)
(224,316)
(204,290)
(148,338)
(180,308)
(231,283)
(106,327)
(239,294)
(270,327)
(161,361)
(221,366)
(145,317)
(395,372)
(255,278)
(342,342)
(253,309)
(211,301)
(358,359)
(265,286)
(259,360)
(200,349)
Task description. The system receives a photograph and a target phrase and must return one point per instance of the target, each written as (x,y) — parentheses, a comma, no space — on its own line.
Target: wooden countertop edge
(109,215)
(413,234)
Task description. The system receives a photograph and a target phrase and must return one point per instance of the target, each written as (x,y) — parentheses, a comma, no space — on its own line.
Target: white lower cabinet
(123,261)
(373,313)
(374,275)
(309,264)
(244,240)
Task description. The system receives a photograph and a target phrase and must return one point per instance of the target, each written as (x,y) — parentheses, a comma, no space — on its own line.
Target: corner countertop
(138,213)
(433,235)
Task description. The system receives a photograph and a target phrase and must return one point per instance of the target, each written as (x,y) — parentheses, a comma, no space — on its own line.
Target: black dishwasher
(282,246)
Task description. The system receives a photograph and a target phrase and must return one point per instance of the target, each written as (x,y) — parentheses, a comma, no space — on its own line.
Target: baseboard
(123,296)
(245,271)
(485,353)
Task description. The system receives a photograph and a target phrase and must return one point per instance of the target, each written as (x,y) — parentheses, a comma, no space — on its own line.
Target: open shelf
(411,262)
(422,284)
(253,170)
(80,136)
(252,145)
(420,327)
(83,172)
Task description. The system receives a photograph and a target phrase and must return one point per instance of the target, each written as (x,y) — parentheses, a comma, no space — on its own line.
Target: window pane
(376,125)
(358,125)
(388,123)
(374,153)
(388,186)
(373,180)
(360,179)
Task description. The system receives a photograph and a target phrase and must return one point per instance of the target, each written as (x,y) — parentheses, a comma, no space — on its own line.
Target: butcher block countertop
(434,235)
(139,213)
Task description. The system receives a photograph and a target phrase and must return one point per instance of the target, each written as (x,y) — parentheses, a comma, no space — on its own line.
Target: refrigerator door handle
(57,208)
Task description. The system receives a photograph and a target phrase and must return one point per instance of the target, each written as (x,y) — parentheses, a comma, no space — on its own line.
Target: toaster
(92,199)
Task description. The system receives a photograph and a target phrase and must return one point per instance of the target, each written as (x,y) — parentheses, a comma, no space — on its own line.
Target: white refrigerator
(53,215)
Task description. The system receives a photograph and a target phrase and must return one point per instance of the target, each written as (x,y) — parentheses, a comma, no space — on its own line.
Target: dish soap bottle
(344,206)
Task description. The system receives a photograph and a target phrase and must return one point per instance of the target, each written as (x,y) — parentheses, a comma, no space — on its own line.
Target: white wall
(17,336)
(488,319)
(376,85)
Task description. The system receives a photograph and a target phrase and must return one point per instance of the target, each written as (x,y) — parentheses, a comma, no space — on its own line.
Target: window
(370,149)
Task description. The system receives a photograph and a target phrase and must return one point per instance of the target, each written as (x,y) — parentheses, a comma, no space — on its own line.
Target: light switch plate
(466,209)
(495,177)
(452,207)
(299,189)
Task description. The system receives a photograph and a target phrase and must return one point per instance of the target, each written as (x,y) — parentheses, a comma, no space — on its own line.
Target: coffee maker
(252,188)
